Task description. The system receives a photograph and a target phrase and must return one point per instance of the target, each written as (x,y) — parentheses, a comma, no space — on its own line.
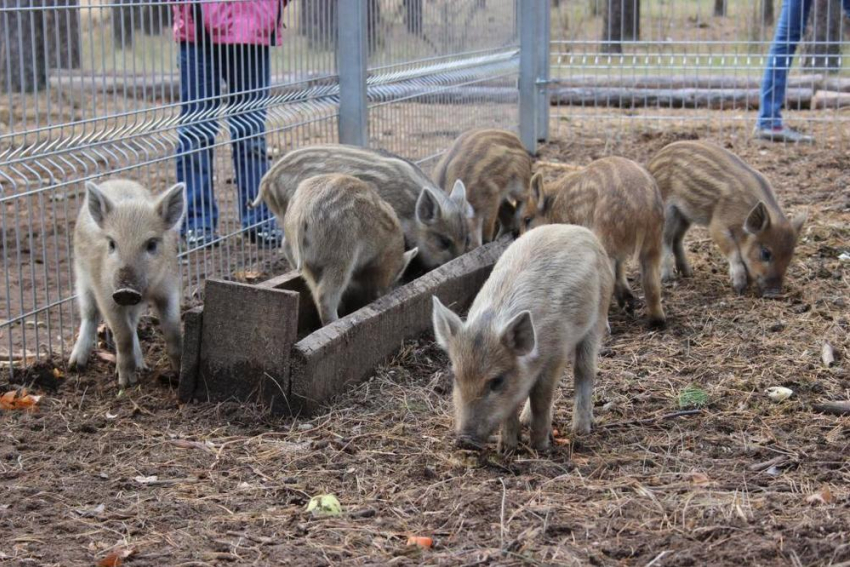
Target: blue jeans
(203,68)
(789,30)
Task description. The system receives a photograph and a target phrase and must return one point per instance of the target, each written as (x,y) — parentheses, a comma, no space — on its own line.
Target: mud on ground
(746,481)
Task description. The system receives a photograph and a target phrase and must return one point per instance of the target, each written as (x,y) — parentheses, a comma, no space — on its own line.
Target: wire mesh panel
(209,93)
(437,68)
(710,64)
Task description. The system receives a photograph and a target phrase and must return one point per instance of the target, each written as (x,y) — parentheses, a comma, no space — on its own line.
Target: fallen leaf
(19,400)
(105,356)
(247,276)
(779,393)
(146,479)
(58,374)
(111,415)
(700,479)
(116,558)
(421,541)
(324,505)
(823,496)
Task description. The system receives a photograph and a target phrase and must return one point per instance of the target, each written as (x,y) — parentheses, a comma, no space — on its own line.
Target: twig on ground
(651,420)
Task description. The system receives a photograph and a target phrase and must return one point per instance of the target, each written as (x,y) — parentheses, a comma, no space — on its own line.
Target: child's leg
(200,91)
(248,76)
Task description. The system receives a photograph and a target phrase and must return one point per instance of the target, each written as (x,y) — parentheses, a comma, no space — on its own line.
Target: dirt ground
(745,481)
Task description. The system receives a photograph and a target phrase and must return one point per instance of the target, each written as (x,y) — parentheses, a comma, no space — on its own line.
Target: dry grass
(730,485)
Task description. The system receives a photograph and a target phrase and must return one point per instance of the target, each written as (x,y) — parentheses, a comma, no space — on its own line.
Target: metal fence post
(352,56)
(528,73)
(543,45)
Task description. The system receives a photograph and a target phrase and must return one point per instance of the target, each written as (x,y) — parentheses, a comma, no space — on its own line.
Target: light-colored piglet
(125,256)
(345,240)
(545,302)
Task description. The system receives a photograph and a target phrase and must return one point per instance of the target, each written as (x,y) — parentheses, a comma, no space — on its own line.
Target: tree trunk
(719,8)
(23,60)
(631,20)
(413,16)
(62,29)
(767,13)
(612,27)
(825,51)
(317,21)
(123,23)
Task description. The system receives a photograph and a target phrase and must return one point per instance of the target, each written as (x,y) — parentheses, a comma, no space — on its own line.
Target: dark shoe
(266,237)
(200,238)
(782,134)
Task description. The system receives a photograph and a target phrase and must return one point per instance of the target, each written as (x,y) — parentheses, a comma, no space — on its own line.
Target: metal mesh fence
(708,66)
(94,89)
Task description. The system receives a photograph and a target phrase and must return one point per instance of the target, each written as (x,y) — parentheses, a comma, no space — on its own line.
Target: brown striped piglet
(495,169)
(619,201)
(441,226)
(345,240)
(707,185)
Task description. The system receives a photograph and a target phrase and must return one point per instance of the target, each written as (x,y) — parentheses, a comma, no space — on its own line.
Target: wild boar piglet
(345,240)
(440,225)
(704,184)
(125,256)
(495,170)
(545,302)
(619,201)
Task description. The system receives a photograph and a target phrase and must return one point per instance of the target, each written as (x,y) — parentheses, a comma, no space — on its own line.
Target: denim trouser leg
(248,77)
(200,89)
(789,30)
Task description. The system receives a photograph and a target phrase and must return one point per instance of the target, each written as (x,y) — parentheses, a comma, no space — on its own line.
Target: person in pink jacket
(225,42)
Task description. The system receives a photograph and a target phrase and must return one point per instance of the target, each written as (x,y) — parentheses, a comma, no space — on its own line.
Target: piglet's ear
(446,323)
(458,197)
(98,204)
(519,335)
(171,206)
(758,219)
(798,221)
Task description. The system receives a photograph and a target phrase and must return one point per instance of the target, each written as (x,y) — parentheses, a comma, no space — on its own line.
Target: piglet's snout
(127,296)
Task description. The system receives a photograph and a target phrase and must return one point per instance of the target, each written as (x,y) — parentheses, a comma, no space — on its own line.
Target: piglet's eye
(152,245)
(111,245)
(497,384)
(766,255)
(444,243)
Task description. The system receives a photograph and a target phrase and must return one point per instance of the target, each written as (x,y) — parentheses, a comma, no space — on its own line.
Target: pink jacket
(255,22)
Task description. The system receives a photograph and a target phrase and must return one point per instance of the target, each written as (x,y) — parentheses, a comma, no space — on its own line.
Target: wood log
(834,408)
(838,84)
(727,99)
(830,100)
(812,81)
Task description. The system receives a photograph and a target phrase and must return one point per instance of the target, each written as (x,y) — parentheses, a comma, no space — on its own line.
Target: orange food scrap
(421,541)
(115,559)
(562,441)
(556,433)
(13,400)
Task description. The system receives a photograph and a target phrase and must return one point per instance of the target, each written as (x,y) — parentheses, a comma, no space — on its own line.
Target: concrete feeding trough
(263,343)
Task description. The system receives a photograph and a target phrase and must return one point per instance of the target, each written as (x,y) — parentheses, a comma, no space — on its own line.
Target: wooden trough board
(262,343)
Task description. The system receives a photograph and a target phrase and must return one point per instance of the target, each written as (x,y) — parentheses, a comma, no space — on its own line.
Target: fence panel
(93,89)
(655,64)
